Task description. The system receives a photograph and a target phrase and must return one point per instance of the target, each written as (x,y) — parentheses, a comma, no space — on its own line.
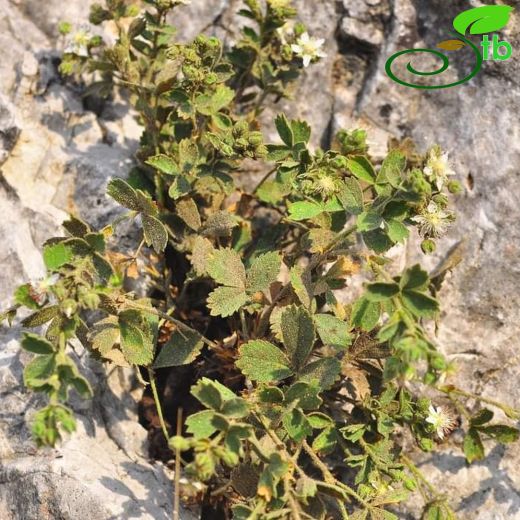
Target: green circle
(440,70)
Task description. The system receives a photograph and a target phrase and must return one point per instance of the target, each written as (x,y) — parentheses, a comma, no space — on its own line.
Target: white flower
(39,289)
(441,420)
(433,221)
(286,32)
(438,167)
(78,42)
(308,48)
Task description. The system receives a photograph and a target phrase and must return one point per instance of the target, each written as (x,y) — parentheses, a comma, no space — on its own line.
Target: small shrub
(304,399)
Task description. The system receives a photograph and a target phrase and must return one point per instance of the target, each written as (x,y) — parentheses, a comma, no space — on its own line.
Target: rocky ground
(56,155)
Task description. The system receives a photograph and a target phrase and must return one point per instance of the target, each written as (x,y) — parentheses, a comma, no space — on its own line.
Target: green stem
(151,376)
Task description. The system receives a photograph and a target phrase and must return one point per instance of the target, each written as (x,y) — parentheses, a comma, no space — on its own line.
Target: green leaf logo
(481,20)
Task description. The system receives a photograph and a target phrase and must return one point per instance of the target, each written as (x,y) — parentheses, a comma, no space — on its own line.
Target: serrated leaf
(414,278)
(323,371)
(501,433)
(200,424)
(392,169)
(396,231)
(261,361)
(365,314)
(296,425)
(326,441)
(181,349)
(57,255)
(368,220)
(212,393)
(236,408)
(36,344)
(351,196)
(124,194)
(225,267)
(307,395)
(202,251)
(420,304)
(225,301)
(378,292)
(284,129)
(189,213)
(138,336)
(37,373)
(105,334)
(362,169)
(302,285)
(164,164)
(378,241)
(263,272)
(298,335)
(319,421)
(473,447)
(304,210)
(333,331)
(481,20)
(209,105)
(155,233)
(219,224)
(41,316)
(24,296)
(301,131)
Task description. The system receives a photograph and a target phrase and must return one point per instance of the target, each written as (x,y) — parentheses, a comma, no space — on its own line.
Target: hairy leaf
(225,267)
(225,301)
(298,335)
(181,349)
(261,361)
(263,272)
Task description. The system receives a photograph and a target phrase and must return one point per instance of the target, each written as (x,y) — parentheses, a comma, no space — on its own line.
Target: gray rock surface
(57,159)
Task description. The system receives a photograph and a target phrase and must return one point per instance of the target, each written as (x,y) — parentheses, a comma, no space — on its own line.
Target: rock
(9,130)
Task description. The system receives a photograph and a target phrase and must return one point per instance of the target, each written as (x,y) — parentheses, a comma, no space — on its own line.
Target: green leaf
(201,253)
(263,272)
(481,20)
(284,129)
(270,395)
(368,220)
(189,213)
(365,314)
(261,361)
(236,408)
(271,476)
(37,373)
(306,395)
(324,371)
(181,349)
(298,335)
(420,304)
(473,447)
(362,169)
(326,441)
(155,233)
(225,301)
(124,194)
(501,433)
(304,210)
(296,425)
(36,344)
(333,331)
(209,105)
(212,393)
(397,231)
(482,417)
(200,424)
(378,241)
(164,164)
(378,292)
(57,255)
(138,336)
(219,224)
(225,267)
(351,196)
(319,421)
(23,296)
(302,285)
(414,278)
(392,169)
(41,317)
(301,131)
